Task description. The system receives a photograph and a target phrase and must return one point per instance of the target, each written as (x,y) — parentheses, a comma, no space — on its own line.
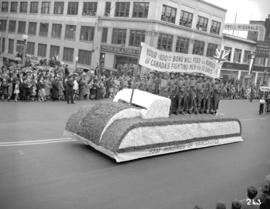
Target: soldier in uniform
(164,89)
(193,100)
(180,96)
(174,96)
(216,96)
(212,98)
(206,97)
(157,82)
(193,96)
(199,95)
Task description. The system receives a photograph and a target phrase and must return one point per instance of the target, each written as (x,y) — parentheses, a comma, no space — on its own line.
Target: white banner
(163,61)
(265,88)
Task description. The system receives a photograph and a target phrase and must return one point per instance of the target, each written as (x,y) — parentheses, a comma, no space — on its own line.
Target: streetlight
(25,37)
(1,61)
(76,61)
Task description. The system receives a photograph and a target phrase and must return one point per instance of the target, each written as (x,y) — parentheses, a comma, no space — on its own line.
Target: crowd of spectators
(255,198)
(47,80)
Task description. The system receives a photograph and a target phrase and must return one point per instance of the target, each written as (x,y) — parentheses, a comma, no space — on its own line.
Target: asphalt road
(69,175)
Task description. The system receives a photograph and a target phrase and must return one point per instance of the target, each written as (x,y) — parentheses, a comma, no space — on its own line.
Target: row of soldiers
(200,98)
(188,93)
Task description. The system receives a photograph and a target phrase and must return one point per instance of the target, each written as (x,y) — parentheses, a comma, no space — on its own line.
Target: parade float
(125,131)
(137,124)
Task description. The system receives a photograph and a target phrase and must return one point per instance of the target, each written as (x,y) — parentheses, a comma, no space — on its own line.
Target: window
(20,46)
(87,33)
(122,9)
(43,29)
(21,27)
(32,28)
(58,7)
(186,19)
(68,54)
(119,36)
(70,31)
(84,57)
(72,8)
(211,49)
(165,42)
(30,48)
(107,8)
(136,37)
(14,6)
(89,8)
(215,27)
(56,30)
(237,55)
(246,56)
(168,14)
(23,6)
(104,35)
(198,47)
(10,46)
(12,26)
(42,49)
(54,51)
(34,7)
(230,50)
(3,25)
(202,23)
(3,45)
(4,7)
(45,7)
(140,9)
(182,45)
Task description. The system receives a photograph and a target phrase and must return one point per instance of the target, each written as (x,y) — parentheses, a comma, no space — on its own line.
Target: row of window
(140,9)
(119,36)
(86,33)
(238,54)
(84,56)
(186,18)
(165,42)
(122,9)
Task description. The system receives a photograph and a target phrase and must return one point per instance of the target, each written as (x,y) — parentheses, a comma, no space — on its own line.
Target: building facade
(242,49)
(88,33)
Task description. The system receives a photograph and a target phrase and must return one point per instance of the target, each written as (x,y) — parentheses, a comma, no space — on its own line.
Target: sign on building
(120,50)
(247,27)
(262,49)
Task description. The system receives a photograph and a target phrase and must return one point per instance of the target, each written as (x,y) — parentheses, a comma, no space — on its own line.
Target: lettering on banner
(174,62)
(182,147)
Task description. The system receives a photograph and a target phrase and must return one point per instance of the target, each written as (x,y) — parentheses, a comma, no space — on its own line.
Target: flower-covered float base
(124,132)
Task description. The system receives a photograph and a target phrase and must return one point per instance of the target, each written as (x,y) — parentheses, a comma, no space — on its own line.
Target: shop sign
(247,27)
(243,27)
(120,50)
(163,61)
(263,49)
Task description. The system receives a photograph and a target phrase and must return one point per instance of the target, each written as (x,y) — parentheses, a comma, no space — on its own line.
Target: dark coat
(69,86)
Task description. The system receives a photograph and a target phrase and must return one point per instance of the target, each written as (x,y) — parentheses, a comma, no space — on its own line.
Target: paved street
(65,174)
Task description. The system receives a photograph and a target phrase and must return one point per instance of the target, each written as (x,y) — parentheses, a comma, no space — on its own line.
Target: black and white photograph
(134,104)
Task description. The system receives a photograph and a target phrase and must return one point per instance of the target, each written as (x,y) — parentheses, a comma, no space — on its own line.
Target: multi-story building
(242,50)
(85,33)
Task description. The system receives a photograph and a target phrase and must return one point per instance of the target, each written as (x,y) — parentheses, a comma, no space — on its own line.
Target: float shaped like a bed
(127,132)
